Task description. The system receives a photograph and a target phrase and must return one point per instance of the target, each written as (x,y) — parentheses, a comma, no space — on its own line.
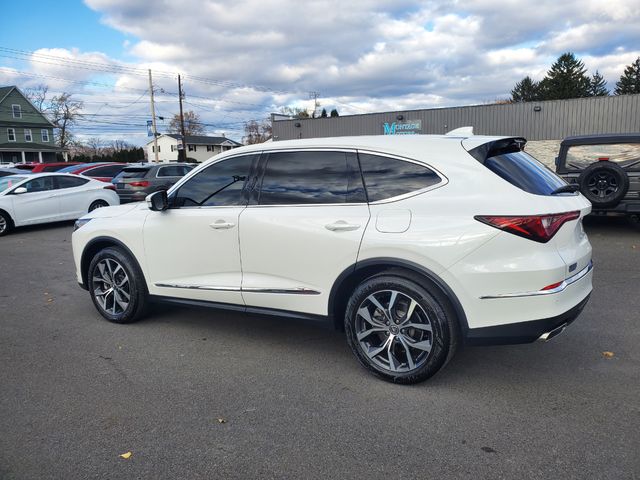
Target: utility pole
(184,140)
(314,96)
(153,119)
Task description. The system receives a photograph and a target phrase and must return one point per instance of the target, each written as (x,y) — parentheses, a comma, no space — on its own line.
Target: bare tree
(192,124)
(94,146)
(255,132)
(119,145)
(64,113)
(38,96)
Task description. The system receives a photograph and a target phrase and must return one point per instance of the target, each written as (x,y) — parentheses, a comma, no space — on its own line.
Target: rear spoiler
(496,147)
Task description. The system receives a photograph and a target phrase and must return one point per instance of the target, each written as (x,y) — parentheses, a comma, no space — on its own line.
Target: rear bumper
(524,332)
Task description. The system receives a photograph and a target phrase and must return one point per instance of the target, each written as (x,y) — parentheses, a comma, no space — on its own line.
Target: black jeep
(606,170)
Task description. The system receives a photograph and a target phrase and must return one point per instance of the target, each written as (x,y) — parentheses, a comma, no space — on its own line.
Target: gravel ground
(77,391)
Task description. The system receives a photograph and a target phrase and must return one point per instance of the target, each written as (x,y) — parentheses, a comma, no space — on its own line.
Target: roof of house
(202,139)
(4,93)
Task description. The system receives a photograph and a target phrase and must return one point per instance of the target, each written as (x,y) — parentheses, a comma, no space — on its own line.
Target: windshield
(10,181)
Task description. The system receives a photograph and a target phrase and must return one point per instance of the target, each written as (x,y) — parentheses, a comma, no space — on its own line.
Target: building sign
(407,127)
(149,128)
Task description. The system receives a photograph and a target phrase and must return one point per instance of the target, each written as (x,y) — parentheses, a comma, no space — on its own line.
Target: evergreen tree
(566,79)
(324,113)
(630,80)
(334,113)
(526,90)
(598,86)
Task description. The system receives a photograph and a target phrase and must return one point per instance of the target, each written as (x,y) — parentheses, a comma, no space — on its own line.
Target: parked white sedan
(50,197)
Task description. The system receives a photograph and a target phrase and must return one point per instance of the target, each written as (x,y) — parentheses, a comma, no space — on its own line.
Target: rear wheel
(5,223)
(117,286)
(98,204)
(400,330)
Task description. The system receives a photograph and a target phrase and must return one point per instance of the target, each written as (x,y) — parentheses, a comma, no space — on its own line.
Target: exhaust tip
(545,337)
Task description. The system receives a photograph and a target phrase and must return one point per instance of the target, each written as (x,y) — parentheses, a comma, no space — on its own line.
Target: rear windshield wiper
(565,189)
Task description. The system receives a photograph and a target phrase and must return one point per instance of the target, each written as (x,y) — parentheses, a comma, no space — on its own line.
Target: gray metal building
(549,120)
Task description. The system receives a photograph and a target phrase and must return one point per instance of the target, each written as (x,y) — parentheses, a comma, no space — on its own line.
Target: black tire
(604,184)
(6,224)
(444,336)
(111,306)
(97,204)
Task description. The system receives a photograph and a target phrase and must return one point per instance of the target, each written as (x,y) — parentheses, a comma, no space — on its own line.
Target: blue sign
(149,128)
(408,127)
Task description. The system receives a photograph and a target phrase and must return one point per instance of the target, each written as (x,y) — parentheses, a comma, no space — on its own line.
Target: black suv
(606,169)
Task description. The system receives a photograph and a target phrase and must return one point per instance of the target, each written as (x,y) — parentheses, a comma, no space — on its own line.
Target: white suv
(412,244)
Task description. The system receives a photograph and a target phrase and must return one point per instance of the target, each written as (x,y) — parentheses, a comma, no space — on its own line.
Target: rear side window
(627,155)
(70,182)
(171,171)
(386,177)
(221,184)
(308,178)
(525,172)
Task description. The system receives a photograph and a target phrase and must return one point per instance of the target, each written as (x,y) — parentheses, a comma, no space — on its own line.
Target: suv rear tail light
(539,228)
(143,183)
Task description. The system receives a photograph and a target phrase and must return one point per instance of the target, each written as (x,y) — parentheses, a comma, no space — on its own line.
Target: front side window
(11,134)
(221,184)
(41,184)
(386,177)
(27,135)
(17,111)
(304,178)
(45,135)
(627,155)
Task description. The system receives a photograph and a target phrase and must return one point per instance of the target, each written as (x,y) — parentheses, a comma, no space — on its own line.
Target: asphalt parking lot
(77,391)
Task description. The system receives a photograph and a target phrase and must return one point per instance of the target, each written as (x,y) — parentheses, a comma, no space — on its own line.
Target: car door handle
(341,226)
(221,225)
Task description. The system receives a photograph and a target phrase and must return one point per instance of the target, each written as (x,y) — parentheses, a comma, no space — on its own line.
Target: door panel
(188,258)
(40,204)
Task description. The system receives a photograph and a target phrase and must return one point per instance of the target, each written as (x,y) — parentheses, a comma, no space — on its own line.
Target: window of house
(27,135)
(209,148)
(386,177)
(45,135)
(11,134)
(221,184)
(192,148)
(293,178)
(17,111)
(172,147)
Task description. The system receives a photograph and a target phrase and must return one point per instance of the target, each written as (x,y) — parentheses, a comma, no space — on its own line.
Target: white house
(199,147)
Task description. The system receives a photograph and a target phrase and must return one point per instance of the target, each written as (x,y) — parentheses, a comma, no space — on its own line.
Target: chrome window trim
(567,281)
(286,291)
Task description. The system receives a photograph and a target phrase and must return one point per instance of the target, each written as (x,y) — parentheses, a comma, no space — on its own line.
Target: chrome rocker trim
(286,291)
(559,288)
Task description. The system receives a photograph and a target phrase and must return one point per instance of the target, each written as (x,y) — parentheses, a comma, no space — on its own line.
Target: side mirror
(20,190)
(158,201)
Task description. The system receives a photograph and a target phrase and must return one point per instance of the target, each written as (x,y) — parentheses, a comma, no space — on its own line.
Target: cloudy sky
(242,60)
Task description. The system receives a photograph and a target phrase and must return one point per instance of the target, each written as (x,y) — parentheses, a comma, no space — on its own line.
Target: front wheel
(5,224)
(400,330)
(117,286)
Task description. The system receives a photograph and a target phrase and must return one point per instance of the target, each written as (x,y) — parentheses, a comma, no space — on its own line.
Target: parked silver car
(135,182)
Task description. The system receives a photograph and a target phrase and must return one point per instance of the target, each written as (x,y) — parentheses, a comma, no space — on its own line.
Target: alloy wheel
(602,184)
(111,287)
(3,224)
(394,331)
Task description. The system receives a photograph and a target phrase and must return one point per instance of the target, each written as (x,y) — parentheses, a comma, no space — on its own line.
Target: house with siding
(199,147)
(26,135)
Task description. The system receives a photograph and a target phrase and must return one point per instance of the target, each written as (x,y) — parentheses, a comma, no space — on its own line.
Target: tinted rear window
(133,173)
(525,172)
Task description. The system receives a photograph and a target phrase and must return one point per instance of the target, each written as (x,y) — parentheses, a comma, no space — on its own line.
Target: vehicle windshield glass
(10,181)
(627,155)
(133,173)
(525,172)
